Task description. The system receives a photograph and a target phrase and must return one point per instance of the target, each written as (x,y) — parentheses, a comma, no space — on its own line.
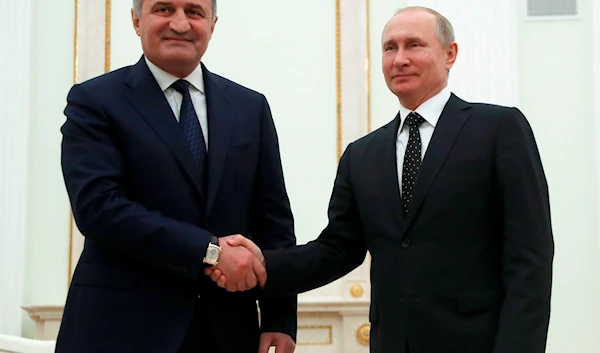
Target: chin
(401,90)
(180,57)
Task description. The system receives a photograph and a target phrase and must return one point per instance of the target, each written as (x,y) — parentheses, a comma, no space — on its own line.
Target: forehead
(202,3)
(410,23)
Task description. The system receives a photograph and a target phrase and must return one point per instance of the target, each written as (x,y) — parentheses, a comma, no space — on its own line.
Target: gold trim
(357,291)
(76,42)
(317,327)
(75,79)
(368,65)
(363,334)
(107,37)
(338,60)
(71,219)
(107,30)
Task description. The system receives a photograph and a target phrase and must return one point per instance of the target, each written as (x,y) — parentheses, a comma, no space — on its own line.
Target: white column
(92,59)
(486,69)
(14,132)
(353,71)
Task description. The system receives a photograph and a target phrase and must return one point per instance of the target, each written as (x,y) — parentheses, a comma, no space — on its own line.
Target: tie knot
(414,120)
(181,86)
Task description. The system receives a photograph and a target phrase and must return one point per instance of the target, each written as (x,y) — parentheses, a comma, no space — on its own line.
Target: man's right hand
(238,247)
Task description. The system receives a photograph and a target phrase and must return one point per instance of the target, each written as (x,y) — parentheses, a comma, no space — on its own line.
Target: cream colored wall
(48,213)
(557,88)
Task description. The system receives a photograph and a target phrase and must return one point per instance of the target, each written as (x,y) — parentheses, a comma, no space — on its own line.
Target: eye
(195,14)
(162,10)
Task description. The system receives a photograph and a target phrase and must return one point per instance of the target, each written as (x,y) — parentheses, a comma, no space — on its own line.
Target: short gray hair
(443,27)
(137,8)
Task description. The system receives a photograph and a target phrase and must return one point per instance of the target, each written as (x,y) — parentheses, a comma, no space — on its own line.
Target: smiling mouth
(400,77)
(179,40)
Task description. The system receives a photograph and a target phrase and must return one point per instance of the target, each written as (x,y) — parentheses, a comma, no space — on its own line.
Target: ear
(451,53)
(136,22)
(212,27)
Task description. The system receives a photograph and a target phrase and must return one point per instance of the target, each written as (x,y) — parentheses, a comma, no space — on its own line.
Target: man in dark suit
(450,199)
(160,159)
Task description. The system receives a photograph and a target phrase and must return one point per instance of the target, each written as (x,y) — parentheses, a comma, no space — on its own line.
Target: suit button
(401,300)
(405,243)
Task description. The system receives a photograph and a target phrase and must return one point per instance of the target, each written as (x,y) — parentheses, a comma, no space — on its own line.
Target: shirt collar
(165,79)
(430,110)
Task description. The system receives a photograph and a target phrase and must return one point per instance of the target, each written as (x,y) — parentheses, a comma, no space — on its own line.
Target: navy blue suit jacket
(136,199)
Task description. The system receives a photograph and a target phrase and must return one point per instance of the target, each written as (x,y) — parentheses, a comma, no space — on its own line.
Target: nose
(401,59)
(179,22)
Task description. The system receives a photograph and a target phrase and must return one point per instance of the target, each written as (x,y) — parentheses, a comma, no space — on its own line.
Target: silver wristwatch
(213,252)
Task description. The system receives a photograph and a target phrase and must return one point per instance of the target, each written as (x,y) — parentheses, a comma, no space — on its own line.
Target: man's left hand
(283,343)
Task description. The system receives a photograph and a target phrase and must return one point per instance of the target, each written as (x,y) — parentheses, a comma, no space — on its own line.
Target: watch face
(212,254)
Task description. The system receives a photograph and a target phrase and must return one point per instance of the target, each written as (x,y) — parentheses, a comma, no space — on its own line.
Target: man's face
(175,33)
(415,64)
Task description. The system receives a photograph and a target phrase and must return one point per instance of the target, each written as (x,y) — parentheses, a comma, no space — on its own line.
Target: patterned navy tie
(412,158)
(190,125)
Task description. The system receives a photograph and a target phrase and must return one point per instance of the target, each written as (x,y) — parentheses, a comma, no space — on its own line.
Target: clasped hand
(241,265)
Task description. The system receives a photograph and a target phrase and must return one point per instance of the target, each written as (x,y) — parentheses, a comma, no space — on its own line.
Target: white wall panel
(557,96)
(486,32)
(14,134)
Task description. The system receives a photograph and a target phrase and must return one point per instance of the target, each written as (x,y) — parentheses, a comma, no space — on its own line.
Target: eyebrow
(391,41)
(161,3)
(388,42)
(189,4)
(413,39)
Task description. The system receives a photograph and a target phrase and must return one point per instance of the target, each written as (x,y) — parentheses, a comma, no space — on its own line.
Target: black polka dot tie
(412,159)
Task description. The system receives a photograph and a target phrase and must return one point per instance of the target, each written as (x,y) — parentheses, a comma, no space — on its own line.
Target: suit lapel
(221,116)
(146,96)
(386,149)
(453,117)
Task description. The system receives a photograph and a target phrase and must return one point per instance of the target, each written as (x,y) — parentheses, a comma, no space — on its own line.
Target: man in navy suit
(160,159)
(450,199)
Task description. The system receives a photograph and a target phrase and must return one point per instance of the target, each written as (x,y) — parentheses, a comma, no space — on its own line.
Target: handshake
(241,265)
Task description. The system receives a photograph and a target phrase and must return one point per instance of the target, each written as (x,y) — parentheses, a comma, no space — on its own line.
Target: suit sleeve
(272,223)
(93,172)
(339,249)
(528,241)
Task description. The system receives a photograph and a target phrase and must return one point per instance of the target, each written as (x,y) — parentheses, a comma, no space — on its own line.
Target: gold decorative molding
(338,64)
(107,30)
(326,342)
(338,21)
(76,42)
(357,291)
(363,334)
(107,43)
(368,64)
(75,79)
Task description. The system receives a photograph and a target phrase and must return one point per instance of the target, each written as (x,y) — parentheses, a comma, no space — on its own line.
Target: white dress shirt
(197,92)
(430,110)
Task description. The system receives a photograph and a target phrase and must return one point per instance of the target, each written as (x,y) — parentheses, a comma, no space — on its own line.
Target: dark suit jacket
(469,268)
(137,200)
